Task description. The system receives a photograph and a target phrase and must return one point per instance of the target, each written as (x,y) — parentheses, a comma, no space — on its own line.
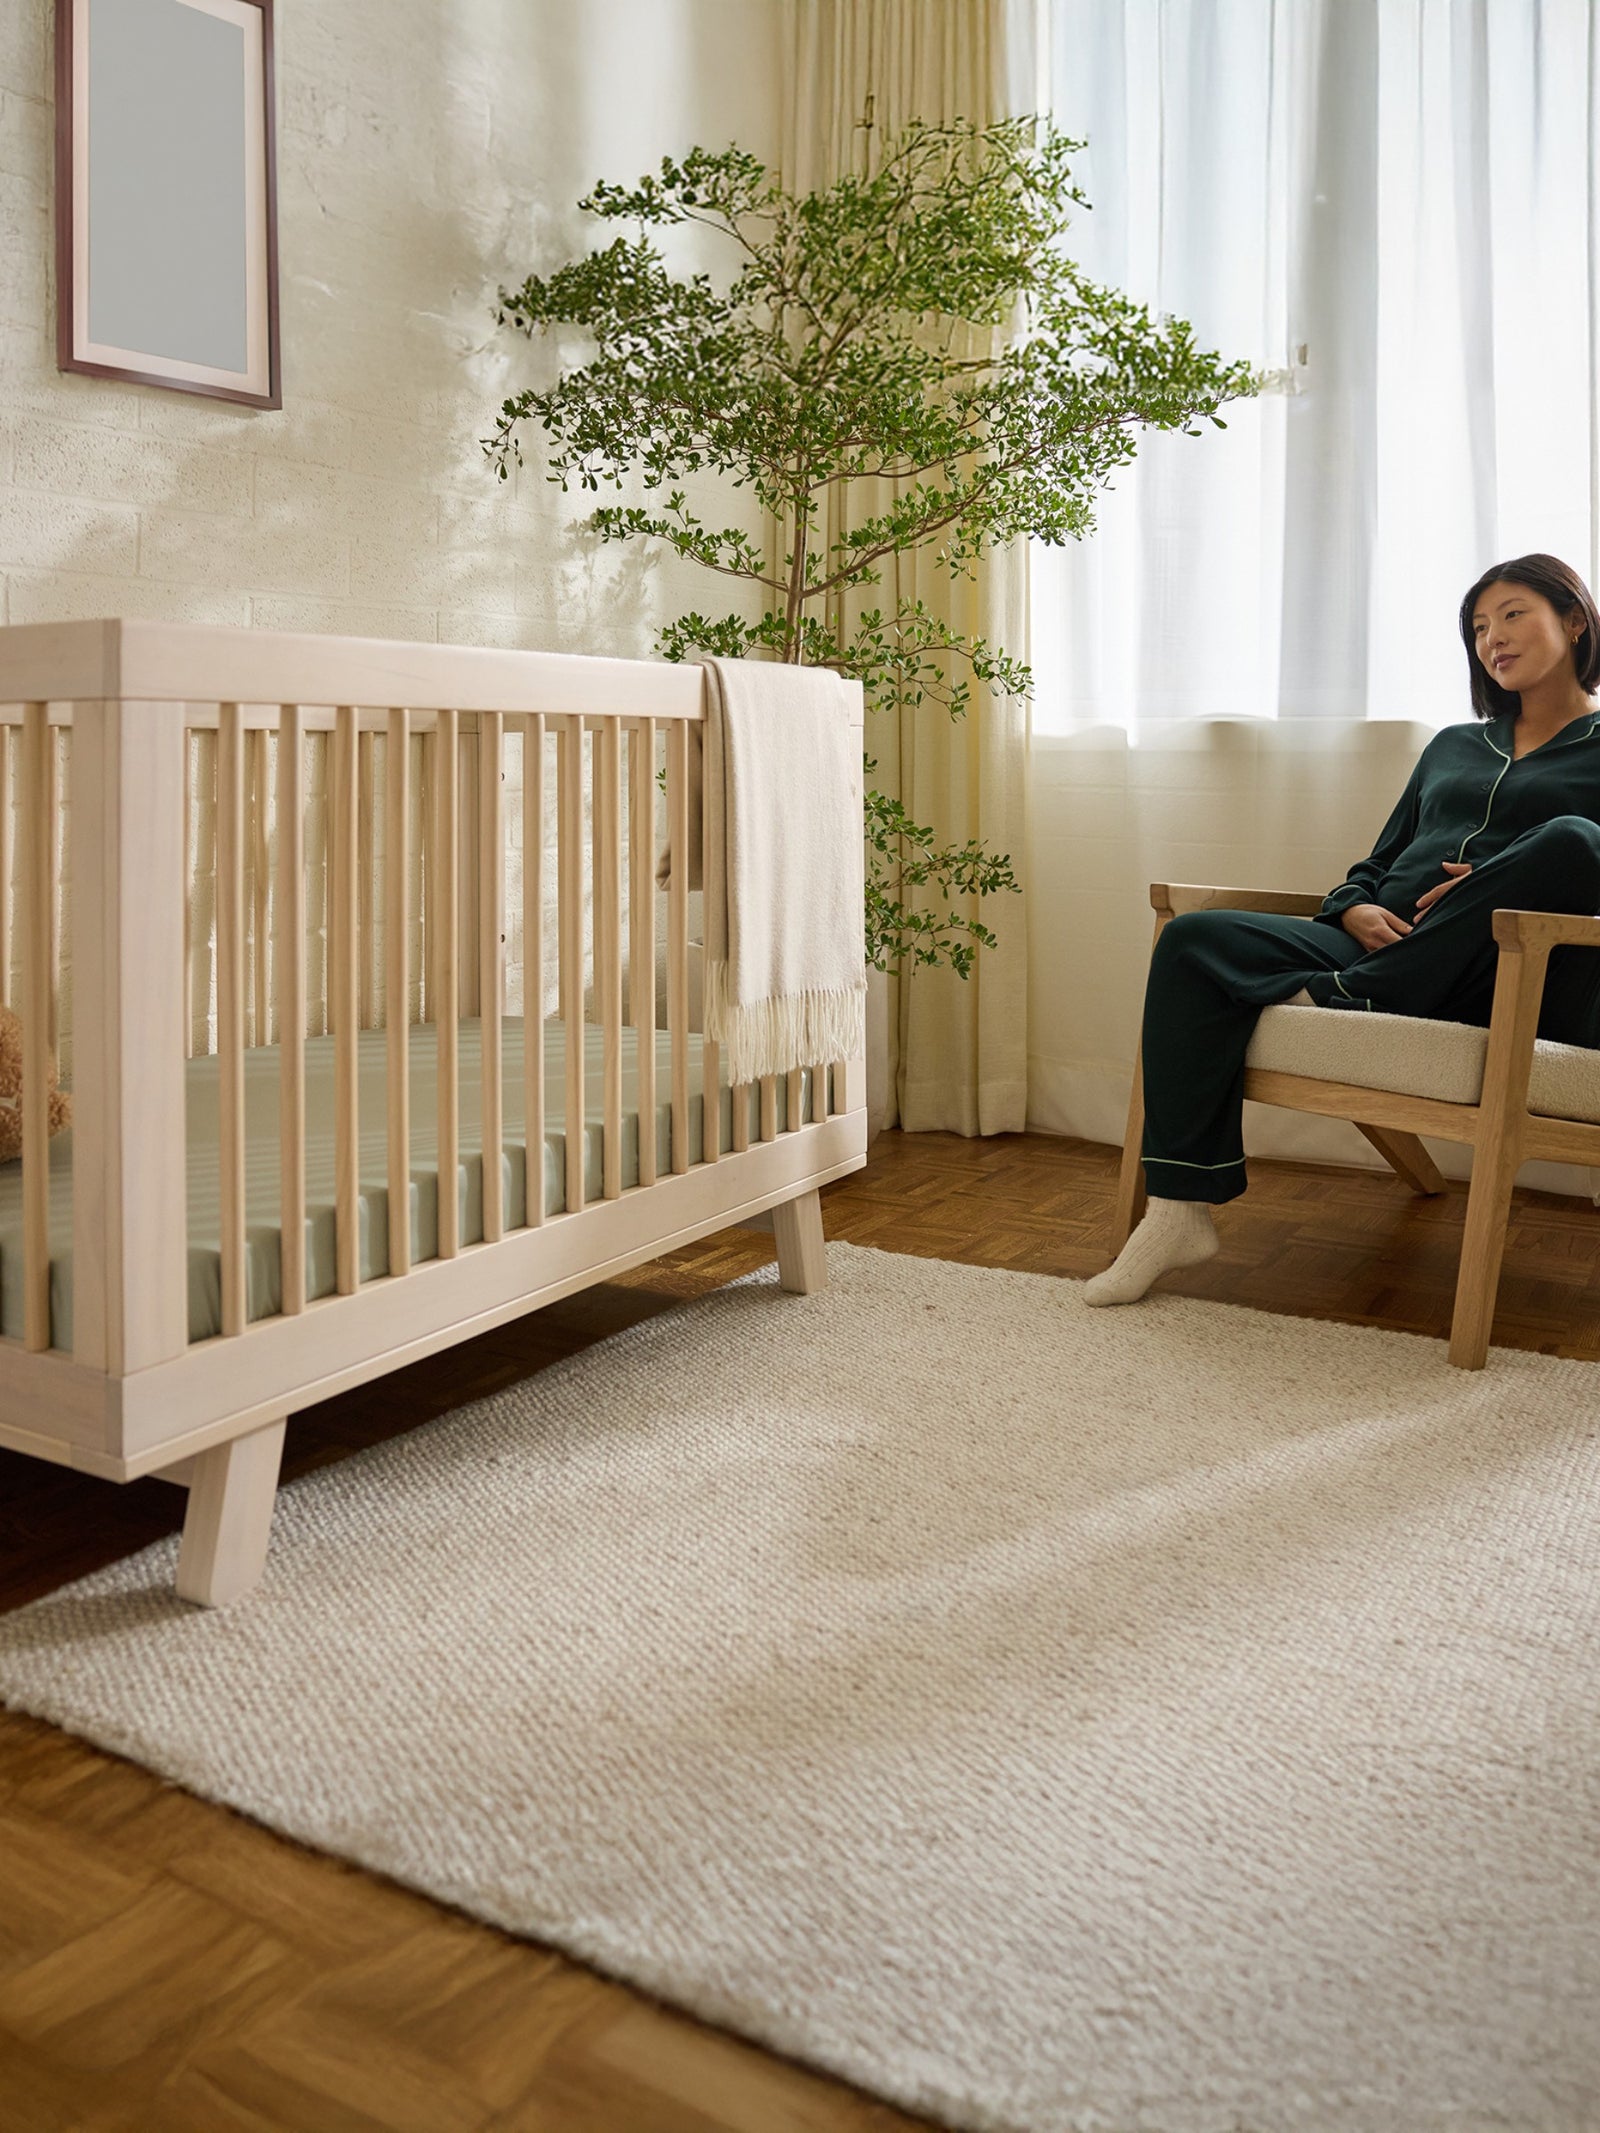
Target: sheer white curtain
(1395,205)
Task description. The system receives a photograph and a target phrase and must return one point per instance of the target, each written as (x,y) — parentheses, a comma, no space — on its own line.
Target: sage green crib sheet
(263,1265)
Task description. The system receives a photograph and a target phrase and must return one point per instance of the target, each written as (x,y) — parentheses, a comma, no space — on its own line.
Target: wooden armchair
(1510,1096)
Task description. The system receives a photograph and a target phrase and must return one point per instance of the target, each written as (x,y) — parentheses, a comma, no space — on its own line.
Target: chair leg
(1130,1200)
(1483,1245)
(802,1253)
(1406,1157)
(231,1494)
(1497,1150)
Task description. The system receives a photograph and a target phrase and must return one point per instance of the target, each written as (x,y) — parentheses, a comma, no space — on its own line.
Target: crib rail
(410,747)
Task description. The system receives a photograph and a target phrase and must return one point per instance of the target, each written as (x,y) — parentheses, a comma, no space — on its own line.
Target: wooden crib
(185,1357)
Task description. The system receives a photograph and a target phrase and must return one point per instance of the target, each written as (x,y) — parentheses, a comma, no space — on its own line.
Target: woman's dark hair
(1565,590)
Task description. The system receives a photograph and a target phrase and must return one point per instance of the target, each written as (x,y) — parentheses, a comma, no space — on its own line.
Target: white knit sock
(1173,1233)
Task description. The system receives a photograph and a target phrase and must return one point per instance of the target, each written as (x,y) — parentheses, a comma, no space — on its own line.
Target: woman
(1501,815)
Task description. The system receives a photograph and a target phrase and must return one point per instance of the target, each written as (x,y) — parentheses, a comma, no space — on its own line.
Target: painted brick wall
(426,153)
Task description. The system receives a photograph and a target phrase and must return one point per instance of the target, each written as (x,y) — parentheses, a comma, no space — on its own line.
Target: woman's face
(1519,636)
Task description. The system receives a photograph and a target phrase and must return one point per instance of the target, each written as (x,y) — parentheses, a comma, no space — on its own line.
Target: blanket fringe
(796,1029)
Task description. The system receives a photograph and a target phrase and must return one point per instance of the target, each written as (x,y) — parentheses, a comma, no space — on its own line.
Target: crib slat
(569,892)
(397,984)
(190,743)
(289,953)
(594,986)
(35,959)
(343,814)
(230,1010)
(324,750)
(794,1097)
(5,866)
(710,1054)
(366,800)
(426,973)
(446,1014)
(468,850)
(769,1107)
(52,803)
(739,1103)
(608,941)
(678,937)
(256,815)
(642,933)
(533,964)
(710,1100)
(491,970)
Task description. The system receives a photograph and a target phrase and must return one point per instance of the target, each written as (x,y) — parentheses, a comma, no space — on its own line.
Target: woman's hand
(1458,870)
(1372,926)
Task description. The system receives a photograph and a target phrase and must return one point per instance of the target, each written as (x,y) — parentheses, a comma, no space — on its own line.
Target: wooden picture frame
(166,195)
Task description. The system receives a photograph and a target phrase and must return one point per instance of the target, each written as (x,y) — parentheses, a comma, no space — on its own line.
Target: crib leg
(230,1515)
(802,1254)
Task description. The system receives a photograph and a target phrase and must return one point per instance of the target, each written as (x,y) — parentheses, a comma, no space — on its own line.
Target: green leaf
(904,362)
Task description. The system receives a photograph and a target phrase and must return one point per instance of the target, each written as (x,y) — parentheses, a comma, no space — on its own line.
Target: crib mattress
(263,1263)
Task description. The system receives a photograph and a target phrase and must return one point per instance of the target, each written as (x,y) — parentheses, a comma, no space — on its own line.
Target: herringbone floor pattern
(167,1967)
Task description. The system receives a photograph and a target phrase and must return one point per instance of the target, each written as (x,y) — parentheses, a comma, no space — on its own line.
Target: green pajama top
(1468,799)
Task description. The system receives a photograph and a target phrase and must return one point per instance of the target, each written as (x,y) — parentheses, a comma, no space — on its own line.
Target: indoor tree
(915,341)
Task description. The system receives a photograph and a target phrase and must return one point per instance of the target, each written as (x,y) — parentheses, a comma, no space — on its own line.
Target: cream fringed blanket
(785,976)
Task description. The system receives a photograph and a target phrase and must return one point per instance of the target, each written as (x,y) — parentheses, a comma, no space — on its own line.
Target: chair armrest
(1177,897)
(1545,929)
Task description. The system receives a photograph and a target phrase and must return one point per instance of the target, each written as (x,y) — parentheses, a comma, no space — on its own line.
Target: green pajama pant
(1214,971)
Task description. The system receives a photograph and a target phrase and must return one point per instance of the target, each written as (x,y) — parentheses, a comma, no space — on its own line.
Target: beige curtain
(858,70)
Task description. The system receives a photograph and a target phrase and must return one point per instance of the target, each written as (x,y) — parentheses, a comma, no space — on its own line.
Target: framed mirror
(166,205)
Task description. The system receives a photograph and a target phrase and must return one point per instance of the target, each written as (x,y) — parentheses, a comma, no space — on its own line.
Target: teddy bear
(60,1109)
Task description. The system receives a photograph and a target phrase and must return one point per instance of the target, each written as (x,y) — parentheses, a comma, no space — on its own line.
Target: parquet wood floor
(168,1967)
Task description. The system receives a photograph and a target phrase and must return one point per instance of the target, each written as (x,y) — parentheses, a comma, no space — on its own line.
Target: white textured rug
(1166,1720)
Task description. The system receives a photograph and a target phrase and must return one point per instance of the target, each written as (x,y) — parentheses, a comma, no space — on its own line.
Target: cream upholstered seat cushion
(1417,1058)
